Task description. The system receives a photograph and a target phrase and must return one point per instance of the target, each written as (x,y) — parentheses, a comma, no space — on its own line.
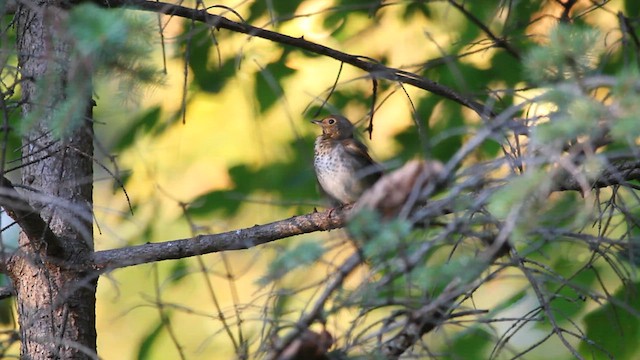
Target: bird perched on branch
(343,166)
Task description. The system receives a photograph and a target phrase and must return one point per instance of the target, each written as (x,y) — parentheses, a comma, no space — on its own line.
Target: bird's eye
(331,121)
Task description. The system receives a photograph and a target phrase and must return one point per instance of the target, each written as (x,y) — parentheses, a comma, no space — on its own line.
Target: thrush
(343,166)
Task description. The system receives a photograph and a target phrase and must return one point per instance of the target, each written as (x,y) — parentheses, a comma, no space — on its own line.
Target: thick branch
(231,240)
(376,69)
(28,219)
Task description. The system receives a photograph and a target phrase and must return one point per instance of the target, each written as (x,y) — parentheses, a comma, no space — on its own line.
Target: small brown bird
(343,167)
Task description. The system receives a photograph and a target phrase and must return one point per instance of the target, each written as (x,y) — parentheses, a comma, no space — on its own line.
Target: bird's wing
(372,171)
(358,150)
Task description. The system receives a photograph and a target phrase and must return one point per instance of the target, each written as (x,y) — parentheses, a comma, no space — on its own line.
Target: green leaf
(447,127)
(632,9)
(275,9)
(613,329)
(293,180)
(416,7)
(411,140)
(303,254)
(471,344)
(268,85)
(569,301)
(200,45)
(438,276)
(179,269)
(217,200)
(144,351)
(144,123)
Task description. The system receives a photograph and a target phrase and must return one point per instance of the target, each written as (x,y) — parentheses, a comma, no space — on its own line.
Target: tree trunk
(56,303)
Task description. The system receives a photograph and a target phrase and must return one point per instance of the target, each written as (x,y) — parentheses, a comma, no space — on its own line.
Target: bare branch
(232,240)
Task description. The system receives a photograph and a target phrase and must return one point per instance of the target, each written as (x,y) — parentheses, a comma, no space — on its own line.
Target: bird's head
(335,127)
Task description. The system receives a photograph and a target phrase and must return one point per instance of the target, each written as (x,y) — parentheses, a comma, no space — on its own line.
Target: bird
(342,163)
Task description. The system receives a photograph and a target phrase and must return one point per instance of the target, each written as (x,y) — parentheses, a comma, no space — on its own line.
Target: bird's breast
(336,171)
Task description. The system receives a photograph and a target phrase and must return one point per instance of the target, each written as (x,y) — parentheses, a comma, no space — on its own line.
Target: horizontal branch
(232,240)
(376,69)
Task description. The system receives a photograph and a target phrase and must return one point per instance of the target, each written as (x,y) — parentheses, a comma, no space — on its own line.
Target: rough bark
(56,302)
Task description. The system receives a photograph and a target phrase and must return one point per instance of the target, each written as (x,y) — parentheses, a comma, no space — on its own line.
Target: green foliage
(216,200)
(625,127)
(112,42)
(612,329)
(438,275)
(516,194)
(103,41)
(568,300)
(381,239)
(448,129)
(470,344)
(572,52)
(274,9)
(296,257)
(268,88)
(565,211)
(179,269)
(507,69)
(576,116)
(297,173)
(210,73)
(142,125)
(516,25)
(345,14)
(6,305)
(416,7)
(632,8)
(146,346)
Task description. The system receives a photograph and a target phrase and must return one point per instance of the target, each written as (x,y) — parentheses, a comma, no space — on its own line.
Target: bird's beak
(317,122)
